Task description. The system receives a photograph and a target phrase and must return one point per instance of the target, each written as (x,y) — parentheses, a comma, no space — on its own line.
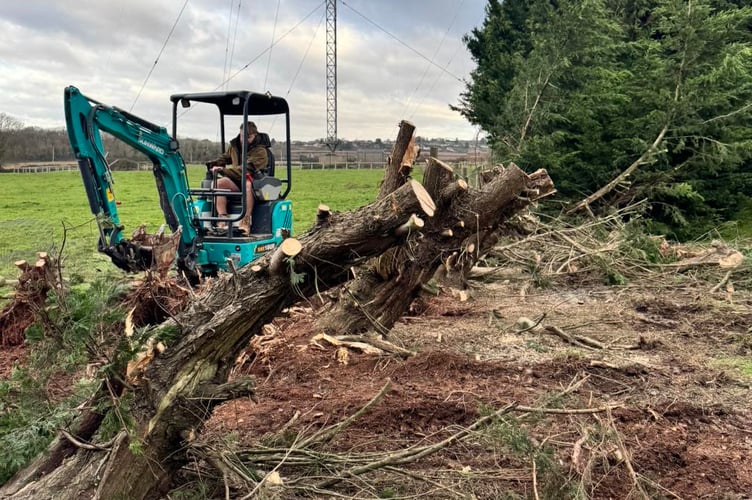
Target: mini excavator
(195,247)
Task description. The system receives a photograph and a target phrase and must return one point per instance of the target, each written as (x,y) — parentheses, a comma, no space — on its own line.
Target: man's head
(252,130)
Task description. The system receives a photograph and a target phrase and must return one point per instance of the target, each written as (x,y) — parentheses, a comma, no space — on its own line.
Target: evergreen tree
(643,98)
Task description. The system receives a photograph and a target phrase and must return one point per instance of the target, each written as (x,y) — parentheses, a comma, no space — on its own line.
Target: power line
(234,38)
(403,43)
(435,53)
(227,40)
(305,55)
(275,42)
(159,55)
(433,84)
(260,54)
(300,66)
(274,30)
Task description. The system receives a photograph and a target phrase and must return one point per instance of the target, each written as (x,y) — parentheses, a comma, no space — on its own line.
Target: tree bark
(400,163)
(463,229)
(28,298)
(177,391)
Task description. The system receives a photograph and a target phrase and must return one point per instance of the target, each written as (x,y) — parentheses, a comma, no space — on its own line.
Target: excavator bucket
(146,252)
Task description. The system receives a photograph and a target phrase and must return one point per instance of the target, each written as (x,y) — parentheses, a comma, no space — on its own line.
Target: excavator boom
(85,119)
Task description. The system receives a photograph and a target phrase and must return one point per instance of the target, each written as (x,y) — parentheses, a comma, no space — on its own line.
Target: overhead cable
(275,42)
(269,61)
(300,66)
(403,43)
(156,61)
(260,54)
(234,38)
(227,40)
(425,71)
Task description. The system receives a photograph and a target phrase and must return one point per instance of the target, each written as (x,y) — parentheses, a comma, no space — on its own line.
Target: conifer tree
(621,99)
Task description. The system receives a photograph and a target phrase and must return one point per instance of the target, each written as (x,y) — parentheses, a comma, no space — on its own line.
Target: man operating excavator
(230,170)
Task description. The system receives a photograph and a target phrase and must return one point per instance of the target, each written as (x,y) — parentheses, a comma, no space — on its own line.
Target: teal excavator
(195,246)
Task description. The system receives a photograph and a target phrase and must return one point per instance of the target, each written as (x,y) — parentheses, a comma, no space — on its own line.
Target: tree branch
(619,178)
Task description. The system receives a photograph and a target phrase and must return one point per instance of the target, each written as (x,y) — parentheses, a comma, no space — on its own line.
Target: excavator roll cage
(242,104)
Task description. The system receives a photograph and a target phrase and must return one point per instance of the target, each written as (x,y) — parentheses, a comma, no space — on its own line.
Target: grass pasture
(35,209)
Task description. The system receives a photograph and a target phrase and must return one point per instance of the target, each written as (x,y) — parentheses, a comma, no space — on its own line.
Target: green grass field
(35,209)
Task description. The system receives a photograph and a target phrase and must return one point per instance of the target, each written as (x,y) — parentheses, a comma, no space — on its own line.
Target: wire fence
(467,170)
(45,169)
(37,169)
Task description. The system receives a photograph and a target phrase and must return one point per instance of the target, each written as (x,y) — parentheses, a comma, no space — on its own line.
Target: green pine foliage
(29,420)
(76,328)
(586,88)
(76,322)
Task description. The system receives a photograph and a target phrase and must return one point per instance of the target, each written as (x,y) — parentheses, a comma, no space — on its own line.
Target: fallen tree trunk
(176,391)
(463,229)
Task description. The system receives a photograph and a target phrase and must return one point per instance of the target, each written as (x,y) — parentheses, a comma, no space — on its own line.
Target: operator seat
(264,140)
(266,192)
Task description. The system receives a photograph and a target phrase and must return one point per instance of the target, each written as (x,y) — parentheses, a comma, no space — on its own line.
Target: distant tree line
(19,144)
(34,144)
(651,99)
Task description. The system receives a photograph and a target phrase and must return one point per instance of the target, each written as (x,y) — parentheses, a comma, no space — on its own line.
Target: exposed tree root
(154,299)
(30,294)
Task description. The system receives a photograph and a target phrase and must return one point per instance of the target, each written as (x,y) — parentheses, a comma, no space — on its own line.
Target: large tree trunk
(176,392)
(463,229)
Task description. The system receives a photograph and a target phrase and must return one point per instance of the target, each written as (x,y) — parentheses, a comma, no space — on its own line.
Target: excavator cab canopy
(233,102)
(242,103)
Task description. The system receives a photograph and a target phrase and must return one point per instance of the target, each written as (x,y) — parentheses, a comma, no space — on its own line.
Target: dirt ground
(657,407)
(10,357)
(660,411)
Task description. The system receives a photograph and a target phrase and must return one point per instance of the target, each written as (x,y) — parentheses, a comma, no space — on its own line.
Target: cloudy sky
(396,59)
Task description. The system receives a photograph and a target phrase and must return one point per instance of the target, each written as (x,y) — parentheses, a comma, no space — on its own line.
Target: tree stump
(463,229)
(29,296)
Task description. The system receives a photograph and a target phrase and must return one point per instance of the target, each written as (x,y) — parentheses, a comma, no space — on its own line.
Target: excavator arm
(85,120)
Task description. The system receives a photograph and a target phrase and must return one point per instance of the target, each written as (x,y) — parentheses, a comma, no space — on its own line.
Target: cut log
(413,224)
(485,176)
(437,176)
(453,190)
(323,215)
(289,247)
(397,171)
(385,288)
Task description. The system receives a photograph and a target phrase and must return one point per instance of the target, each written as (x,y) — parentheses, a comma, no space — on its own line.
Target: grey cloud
(108,48)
